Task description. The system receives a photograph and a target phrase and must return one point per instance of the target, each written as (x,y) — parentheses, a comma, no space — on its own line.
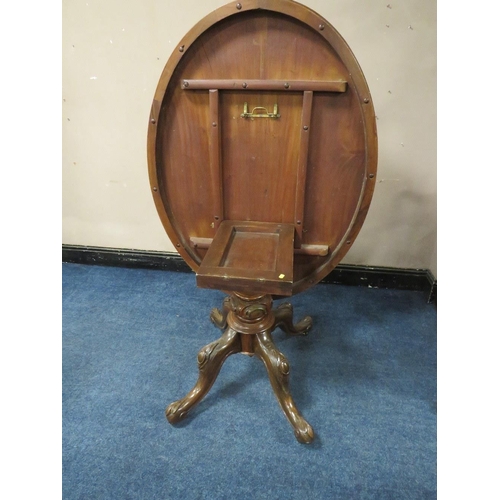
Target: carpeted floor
(364,378)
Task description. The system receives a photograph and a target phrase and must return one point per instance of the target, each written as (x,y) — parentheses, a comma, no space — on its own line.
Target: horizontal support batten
(321,250)
(285,85)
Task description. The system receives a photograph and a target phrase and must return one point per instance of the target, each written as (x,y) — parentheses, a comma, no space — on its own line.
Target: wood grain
(254,173)
(247,84)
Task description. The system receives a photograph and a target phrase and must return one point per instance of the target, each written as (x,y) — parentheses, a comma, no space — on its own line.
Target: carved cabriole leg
(278,370)
(218,318)
(210,360)
(283,317)
(248,322)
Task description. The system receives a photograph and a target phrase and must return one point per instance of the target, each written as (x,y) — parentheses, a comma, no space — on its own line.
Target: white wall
(113,54)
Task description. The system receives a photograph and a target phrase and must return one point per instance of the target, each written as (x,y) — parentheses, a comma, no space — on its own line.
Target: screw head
(155,189)
(287,85)
(181,48)
(185,84)
(238,6)
(371,176)
(153,120)
(244,85)
(321,27)
(366,100)
(306,127)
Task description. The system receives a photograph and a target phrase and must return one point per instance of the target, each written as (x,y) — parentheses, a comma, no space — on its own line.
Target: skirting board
(344,274)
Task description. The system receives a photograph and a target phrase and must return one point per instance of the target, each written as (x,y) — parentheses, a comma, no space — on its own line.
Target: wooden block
(249,257)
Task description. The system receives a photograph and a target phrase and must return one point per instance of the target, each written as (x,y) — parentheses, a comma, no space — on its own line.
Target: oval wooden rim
(331,35)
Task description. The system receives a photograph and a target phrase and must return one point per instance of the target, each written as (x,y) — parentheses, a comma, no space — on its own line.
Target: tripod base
(247,322)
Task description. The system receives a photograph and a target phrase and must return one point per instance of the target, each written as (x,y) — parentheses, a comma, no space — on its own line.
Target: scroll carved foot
(218,317)
(278,370)
(283,315)
(210,360)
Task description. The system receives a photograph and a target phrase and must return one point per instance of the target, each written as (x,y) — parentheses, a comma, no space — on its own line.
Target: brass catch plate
(262,114)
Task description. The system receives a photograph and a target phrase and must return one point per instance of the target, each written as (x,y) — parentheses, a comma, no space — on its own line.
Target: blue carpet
(364,378)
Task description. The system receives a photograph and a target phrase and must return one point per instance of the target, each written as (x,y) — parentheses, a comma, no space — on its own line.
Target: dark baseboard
(344,274)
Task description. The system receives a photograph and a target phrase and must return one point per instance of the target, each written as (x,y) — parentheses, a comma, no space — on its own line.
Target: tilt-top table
(262,153)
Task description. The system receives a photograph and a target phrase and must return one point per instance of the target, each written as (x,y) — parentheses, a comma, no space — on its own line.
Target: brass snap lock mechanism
(262,114)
